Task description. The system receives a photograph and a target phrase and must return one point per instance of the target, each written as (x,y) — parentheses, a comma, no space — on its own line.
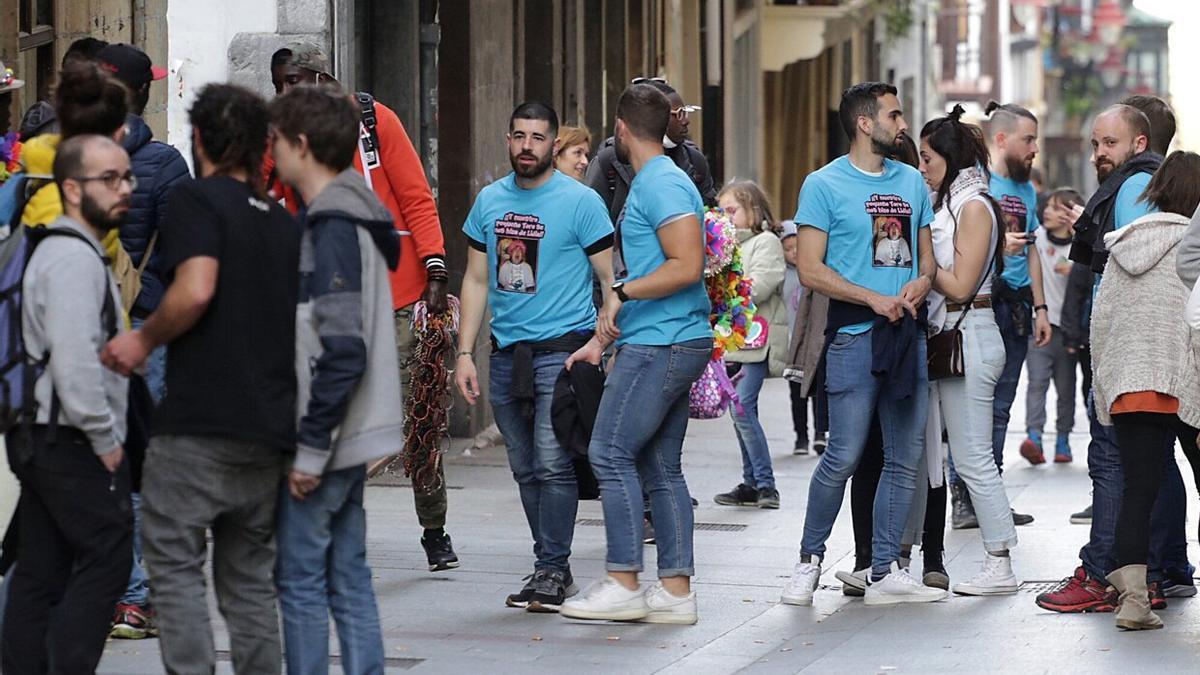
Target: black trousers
(1143,439)
(800,411)
(862,504)
(73,557)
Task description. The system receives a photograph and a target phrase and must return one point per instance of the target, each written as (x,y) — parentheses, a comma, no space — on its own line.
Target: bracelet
(1037,307)
(465,353)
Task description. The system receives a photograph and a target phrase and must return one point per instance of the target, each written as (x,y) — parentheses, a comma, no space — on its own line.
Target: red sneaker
(1157,599)
(1032,451)
(1079,593)
(131,622)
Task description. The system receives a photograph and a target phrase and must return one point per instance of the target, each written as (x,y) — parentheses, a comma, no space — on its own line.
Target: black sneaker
(801,446)
(1084,517)
(934,573)
(1021,518)
(521,599)
(550,589)
(819,442)
(742,495)
(768,498)
(440,552)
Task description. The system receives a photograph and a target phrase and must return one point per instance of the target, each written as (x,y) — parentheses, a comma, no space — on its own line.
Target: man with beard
(1017,292)
(76,520)
(611,177)
(874,326)
(557,231)
(1125,159)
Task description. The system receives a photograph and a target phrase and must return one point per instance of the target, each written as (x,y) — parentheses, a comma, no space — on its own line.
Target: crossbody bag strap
(146,256)
(983,277)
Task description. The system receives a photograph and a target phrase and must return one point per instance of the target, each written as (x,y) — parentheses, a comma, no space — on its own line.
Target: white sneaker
(899,587)
(854,583)
(606,599)
(996,578)
(667,608)
(803,584)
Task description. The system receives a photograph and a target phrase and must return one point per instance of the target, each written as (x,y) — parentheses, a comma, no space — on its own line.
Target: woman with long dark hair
(967,246)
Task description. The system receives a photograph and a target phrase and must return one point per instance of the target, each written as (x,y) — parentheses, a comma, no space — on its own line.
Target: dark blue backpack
(19,370)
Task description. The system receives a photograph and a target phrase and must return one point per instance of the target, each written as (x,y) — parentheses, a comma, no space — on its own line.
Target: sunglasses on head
(644,80)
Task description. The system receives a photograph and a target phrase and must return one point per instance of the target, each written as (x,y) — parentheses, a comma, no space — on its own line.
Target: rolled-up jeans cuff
(677,572)
(622,567)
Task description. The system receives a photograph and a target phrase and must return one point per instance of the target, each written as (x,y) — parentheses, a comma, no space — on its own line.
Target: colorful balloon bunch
(727,284)
(10,155)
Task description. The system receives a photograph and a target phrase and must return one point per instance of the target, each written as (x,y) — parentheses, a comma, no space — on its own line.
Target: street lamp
(1027,11)
(1112,70)
(1109,20)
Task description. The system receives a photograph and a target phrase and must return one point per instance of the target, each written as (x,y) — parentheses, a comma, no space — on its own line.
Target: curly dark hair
(88,100)
(232,125)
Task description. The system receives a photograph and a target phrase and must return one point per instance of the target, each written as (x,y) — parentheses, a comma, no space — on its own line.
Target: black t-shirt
(233,374)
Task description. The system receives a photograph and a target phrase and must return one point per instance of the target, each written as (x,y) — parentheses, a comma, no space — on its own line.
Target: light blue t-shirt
(1018,203)
(872,223)
(659,195)
(1128,207)
(537,243)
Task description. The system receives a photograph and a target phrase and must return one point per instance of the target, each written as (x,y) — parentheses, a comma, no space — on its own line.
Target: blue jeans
(1015,348)
(543,470)
(854,394)
(138,590)
(322,568)
(756,454)
(638,441)
(156,369)
(1168,536)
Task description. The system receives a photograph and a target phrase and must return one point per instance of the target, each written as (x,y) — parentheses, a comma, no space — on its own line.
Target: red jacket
(400,184)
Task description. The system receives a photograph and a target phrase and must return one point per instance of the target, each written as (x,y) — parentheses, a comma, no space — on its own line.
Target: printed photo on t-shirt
(517,239)
(1016,214)
(891,222)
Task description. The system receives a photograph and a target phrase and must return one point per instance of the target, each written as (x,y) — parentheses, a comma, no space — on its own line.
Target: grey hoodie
(64,286)
(349,402)
(1140,341)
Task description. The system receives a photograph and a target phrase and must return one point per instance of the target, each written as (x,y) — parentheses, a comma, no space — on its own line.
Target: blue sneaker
(1062,449)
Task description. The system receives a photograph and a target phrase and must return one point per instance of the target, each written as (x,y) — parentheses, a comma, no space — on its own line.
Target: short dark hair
(326,117)
(1175,187)
(68,157)
(906,151)
(1162,120)
(645,111)
(1004,117)
(861,100)
(88,100)
(1136,119)
(232,124)
(281,57)
(85,49)
(665,88)
(1066,195)
(535,110)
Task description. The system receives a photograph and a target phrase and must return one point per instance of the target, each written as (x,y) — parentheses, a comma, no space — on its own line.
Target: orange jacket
(400,184)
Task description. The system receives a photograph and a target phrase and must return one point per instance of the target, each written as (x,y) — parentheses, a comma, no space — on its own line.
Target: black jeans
(1143,439)
(862,504)
(800,411)
(75,553)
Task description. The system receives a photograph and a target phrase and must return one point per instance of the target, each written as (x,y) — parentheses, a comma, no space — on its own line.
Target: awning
(790,33)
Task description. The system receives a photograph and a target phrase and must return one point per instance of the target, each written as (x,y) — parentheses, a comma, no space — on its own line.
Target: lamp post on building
(1109,20)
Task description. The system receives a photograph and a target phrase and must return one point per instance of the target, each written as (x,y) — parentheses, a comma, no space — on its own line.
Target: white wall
(198,51)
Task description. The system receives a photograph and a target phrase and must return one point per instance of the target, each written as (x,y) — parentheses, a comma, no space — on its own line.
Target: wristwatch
(1037,307)
(619,289)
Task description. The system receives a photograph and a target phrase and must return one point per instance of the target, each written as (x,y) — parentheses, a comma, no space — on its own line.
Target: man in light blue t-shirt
(657,314)
(864,242)
(536,237)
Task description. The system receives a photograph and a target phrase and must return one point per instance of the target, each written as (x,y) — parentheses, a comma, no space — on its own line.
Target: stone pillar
(250,53)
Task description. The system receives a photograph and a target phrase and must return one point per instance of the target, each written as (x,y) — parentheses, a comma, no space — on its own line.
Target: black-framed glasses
(111,179)
(644,80)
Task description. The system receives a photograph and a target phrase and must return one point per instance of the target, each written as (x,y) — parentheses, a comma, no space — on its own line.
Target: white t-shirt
(1056,267)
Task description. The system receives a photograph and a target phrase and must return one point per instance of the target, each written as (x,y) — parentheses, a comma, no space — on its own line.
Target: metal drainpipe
(431,37)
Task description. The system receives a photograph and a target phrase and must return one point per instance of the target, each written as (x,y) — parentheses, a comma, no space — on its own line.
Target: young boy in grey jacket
(348,387)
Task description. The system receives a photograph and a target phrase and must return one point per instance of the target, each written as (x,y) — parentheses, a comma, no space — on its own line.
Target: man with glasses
(76,521)
(611,177)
